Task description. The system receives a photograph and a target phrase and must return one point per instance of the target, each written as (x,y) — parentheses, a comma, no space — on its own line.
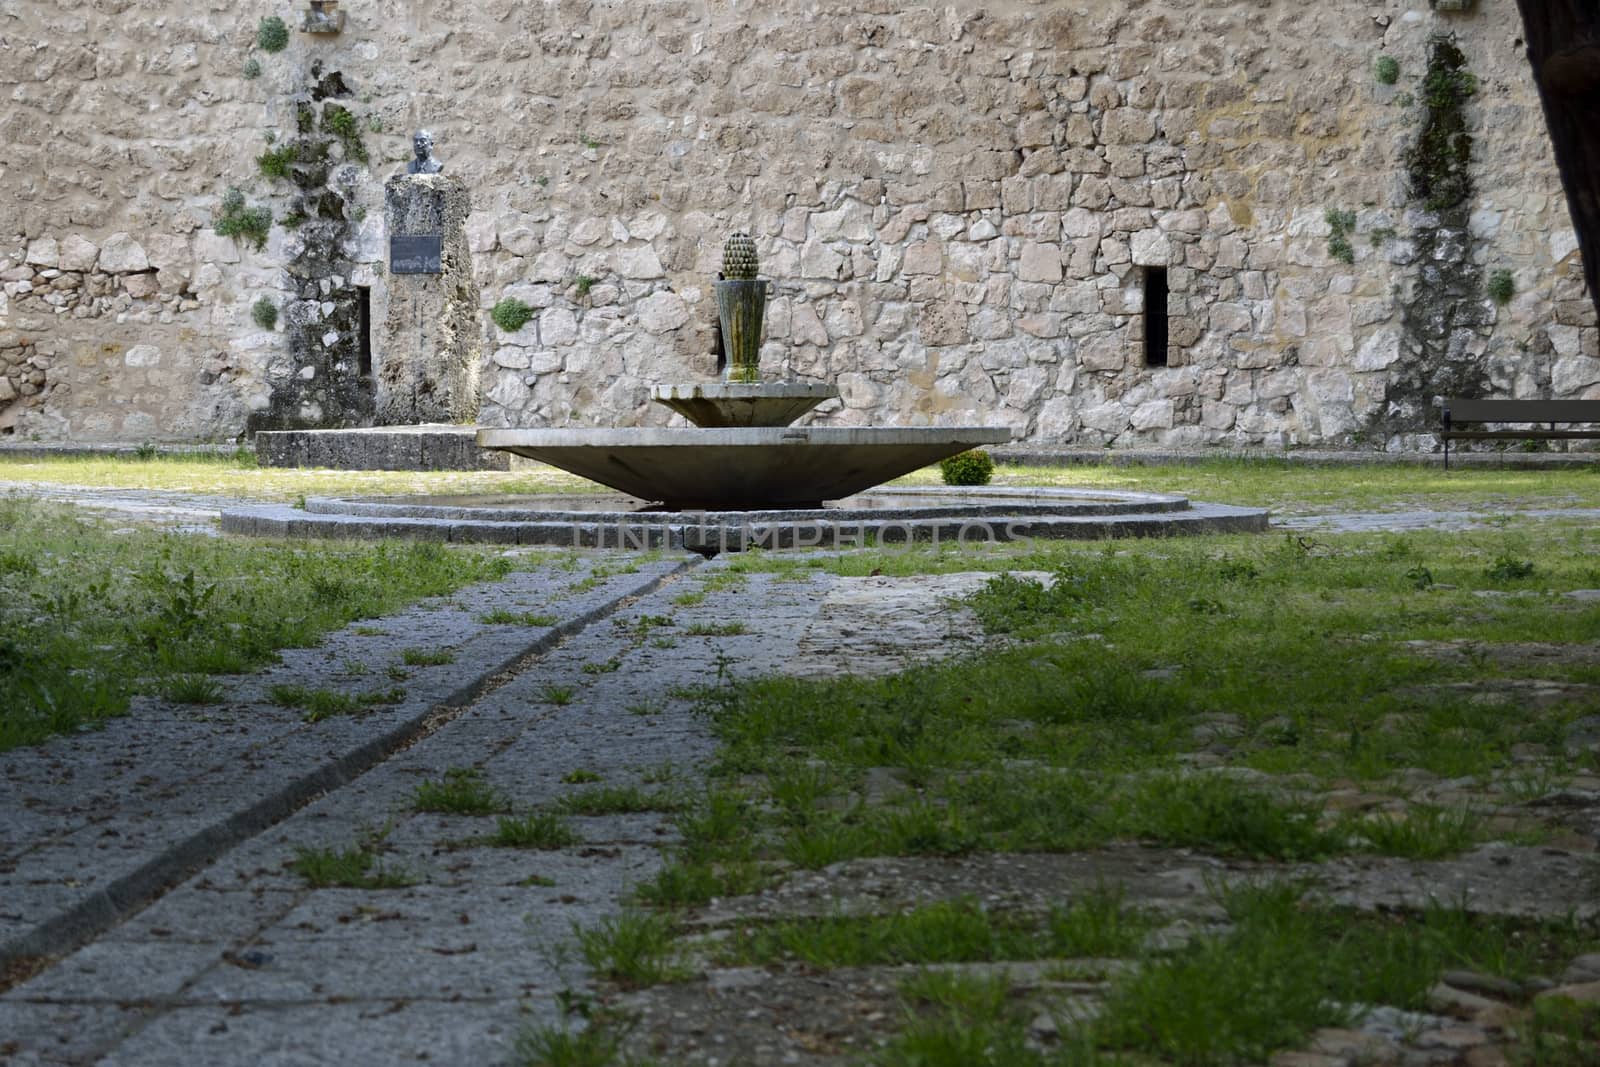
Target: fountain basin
(742,403)
(772,467)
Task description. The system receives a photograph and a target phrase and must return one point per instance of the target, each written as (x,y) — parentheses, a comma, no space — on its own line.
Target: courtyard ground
(1324,796)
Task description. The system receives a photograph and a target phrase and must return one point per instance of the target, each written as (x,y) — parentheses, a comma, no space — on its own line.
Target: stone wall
(960,206)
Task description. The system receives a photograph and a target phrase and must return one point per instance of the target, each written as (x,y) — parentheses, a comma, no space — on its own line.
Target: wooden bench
(1550,412)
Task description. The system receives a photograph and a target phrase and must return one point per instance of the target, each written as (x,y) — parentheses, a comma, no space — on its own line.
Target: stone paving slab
(107,819)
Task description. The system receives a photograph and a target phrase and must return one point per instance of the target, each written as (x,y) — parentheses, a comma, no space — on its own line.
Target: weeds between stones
(633,949)
(616,800)
(502,617)
(540,830)
(192,689)
(427,657)
(463,791)
(357,867)
(320,704)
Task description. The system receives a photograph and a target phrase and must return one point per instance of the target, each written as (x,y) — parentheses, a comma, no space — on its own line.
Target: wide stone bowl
(742,403)
(755,467)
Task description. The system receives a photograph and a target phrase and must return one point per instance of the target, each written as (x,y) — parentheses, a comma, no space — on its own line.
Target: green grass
(551,1046)
(1561,1033)
(1286,968)
(351,868)
(558,695)
(192,689)
(957,931)
(322,704)
(617,800)
(540,830)
(237,475)
(633,949)
(426,657)
(502,617)
(957,1020)
(580,776)
(714,629)
(93,615)
(463,791)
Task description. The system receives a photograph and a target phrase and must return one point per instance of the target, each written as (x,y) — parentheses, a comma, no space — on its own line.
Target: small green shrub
(251,69)
(1502,286)
(271,34)
(1386,70)
(237,219)
(1342,223)
(974,467)
(264,313)
(1508,568)
(274,163)
(342,124)
(584,284)
(511,314)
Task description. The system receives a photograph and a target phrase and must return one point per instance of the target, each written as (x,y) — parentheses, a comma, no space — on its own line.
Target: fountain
(744,476)
(743,452)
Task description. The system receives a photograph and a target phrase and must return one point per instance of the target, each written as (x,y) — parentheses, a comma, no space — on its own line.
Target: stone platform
(883,516)
(428,447)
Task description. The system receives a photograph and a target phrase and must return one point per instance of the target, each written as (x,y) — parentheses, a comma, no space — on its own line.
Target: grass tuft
(462,792)
(540,831)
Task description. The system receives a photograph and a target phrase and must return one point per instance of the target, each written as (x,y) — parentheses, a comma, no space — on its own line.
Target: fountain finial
(739,256)
(741,305)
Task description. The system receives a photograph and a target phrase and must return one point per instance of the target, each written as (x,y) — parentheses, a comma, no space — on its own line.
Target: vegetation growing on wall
(1445,319)
(340,123)
(1438,161)
(511,314)
(271,34)
(237,219)
(1341,224)
(264,313)
(1502,286)
(324,385)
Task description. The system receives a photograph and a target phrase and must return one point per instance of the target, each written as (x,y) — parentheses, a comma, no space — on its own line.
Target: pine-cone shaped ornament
(739,256)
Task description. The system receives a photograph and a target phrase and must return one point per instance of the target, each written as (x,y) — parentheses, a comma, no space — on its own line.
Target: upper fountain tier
(743,403)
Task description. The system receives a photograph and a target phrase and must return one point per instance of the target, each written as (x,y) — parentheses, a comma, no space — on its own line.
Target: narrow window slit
(364,328)
(1155,316)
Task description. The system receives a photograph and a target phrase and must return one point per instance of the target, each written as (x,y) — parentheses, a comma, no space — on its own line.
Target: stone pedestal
(428,351)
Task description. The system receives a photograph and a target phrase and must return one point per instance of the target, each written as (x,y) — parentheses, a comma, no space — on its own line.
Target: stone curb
(637,531)
(97,913)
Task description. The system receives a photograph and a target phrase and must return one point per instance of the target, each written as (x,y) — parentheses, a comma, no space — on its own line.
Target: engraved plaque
(416,253)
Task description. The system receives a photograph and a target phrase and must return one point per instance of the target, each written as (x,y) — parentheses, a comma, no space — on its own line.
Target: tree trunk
(1564,48)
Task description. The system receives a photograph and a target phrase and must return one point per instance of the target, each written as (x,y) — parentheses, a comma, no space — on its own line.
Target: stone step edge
(121,898)
(285,521)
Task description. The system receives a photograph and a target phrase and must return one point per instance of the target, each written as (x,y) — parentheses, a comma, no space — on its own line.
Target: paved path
(234,960)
